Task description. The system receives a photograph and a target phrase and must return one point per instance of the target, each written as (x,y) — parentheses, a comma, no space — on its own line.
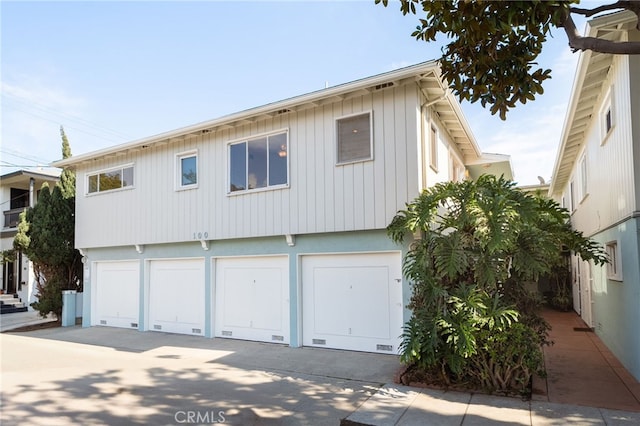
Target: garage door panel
(117,294)
(237,286)
(176,296)
(252,298)
(370,303)
(352,301)
(332,294)
(268,300)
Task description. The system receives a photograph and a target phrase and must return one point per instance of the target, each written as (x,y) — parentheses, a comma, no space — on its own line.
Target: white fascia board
(591,30)
(316,96)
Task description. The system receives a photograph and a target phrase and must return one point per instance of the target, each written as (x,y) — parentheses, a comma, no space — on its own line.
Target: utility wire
(66,116)
(70,127)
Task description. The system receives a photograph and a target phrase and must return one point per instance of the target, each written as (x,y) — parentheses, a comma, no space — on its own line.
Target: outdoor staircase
(10,303)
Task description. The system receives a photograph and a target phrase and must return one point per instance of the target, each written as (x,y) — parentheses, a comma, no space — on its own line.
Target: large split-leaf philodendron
(475,245)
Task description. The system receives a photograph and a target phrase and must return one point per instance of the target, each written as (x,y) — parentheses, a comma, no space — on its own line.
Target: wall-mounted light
(139,248)
(291,240)
(204,244)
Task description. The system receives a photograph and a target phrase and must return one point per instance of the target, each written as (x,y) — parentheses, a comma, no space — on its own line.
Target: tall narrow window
(187,170)
(572,197)
(607,116)
(614,267)
(259,163)
(433,148)
(584,189)
(354,138)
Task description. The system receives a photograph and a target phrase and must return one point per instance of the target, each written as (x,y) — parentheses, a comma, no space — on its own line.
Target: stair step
(6,309)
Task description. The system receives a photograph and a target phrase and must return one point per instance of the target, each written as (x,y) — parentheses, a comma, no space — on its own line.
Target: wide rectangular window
(110,180)
(259,163)
(187,170)
(354,140)
(614,267)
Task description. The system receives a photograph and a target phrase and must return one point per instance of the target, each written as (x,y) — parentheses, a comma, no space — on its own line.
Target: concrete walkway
(117,376)
(582,370)
(20,319)
(585,385)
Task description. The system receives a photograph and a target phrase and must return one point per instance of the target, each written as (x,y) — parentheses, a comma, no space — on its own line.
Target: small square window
(187,170)
(614,267)
(354,138)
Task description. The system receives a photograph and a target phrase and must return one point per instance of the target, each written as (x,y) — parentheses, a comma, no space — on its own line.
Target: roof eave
(312,97)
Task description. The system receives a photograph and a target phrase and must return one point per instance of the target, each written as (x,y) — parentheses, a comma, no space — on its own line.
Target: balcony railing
(12,217)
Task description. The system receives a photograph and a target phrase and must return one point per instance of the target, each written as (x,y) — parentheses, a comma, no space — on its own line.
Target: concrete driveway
(111,376)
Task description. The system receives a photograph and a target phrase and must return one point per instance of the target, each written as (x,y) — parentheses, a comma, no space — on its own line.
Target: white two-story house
(18,191)
(597,177)
(269,224)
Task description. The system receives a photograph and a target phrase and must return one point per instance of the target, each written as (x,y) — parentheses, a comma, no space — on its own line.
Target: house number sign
(200,235)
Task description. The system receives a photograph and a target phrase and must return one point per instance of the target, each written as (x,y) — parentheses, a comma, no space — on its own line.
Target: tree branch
(577,42)
(621,4)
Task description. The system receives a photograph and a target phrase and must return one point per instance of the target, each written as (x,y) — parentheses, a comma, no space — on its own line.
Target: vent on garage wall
(157,327)
(103,322)
(227,333)
(196,331)
(277,338)
(319,342)
(134,325)
(384,348)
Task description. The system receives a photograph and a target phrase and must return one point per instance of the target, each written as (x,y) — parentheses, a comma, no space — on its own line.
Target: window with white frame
(259,163)
(614,267)
(187,170)
(457,169)
(433,148)
(607,116)
(572,197)
(110,179)
(354,138)
(584,189)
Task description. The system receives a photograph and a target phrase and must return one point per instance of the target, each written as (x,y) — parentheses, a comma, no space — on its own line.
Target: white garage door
(252,298)
(116,294)
(352,301)
(176,296)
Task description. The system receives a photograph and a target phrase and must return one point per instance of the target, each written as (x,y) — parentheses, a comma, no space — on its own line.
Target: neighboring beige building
(19,190)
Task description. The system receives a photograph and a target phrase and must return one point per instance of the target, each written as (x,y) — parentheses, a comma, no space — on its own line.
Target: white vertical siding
(322,197)
(610,176)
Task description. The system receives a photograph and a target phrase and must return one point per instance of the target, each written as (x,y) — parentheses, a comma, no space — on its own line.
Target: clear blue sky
(112,72)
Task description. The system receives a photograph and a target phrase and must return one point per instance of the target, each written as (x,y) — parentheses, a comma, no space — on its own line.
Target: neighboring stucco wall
(616,312)
(344,242)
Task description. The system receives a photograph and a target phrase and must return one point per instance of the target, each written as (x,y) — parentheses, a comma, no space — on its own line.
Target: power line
(70,127)
(67,116)
(19,154)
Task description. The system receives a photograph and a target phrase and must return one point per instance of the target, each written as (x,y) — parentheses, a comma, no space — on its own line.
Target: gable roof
(592,71)
(426,75)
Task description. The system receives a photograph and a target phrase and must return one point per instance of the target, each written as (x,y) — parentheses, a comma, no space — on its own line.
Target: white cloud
(532,143)
(32,113)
